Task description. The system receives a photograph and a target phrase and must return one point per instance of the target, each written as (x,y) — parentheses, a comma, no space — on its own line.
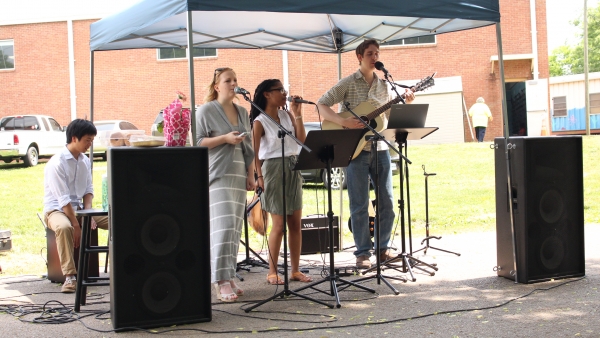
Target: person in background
(223,126)
(271,96)
(364,85)
(480,113)
(67,188)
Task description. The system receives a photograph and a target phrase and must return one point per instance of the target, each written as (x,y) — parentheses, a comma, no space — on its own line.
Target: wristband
(298,117)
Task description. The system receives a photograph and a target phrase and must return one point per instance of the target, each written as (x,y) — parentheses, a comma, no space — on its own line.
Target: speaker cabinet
(315,234)
(547,198)
(159,236)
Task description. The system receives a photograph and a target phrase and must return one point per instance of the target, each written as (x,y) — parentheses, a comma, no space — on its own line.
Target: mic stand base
(333,279)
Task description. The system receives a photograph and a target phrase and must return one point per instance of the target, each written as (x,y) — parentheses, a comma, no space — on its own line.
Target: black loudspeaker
(159,236)
(315,234)
(547,197)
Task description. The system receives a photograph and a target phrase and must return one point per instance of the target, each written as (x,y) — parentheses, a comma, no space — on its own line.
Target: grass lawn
(461,199)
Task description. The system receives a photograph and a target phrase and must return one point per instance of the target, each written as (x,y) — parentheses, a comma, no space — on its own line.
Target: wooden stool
(85,250)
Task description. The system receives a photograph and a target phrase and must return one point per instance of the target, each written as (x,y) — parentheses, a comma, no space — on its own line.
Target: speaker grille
(547,187)
(159,245)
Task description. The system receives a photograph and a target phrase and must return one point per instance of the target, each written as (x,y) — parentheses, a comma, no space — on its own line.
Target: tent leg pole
(506,150)
(190,57)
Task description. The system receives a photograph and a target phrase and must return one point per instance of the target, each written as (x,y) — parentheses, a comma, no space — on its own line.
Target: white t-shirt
(270,143)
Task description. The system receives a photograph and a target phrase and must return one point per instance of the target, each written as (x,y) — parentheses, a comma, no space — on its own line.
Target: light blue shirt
(66,180)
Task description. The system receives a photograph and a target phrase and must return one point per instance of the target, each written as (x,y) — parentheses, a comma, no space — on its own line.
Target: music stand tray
(330,149)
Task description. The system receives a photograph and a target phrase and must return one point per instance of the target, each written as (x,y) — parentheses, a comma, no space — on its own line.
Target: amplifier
(315,234)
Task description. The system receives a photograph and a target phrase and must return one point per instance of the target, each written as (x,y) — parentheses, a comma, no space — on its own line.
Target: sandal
(235,288)
(300,277)
(225,297)
(274,279)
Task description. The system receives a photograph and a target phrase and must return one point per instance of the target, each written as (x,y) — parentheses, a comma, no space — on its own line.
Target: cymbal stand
(408,261)
(427,236)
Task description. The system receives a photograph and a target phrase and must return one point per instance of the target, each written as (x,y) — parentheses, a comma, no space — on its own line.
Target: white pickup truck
(29,137)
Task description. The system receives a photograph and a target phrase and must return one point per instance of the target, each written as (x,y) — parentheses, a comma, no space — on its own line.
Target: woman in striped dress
(221,125)
(270,96)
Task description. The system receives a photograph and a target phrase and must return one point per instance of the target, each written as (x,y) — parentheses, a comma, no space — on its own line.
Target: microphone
(379,66)
(239,90)
(291,99)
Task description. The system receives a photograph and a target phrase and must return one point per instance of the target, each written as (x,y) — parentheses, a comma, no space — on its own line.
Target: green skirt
(272,198)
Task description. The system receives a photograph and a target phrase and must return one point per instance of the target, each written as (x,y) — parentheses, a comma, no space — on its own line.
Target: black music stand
(331,149)
(401,135)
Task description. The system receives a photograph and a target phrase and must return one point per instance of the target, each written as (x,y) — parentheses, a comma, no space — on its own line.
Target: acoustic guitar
(372,115)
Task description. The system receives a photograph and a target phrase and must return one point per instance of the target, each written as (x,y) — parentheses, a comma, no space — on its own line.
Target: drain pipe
(534,41)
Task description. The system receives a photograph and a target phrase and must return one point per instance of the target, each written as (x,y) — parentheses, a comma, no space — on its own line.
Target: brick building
(51,73)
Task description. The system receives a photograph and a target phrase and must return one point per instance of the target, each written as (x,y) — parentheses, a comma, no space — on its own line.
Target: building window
(181,53)
(559,105)
(419,40)
(7,54)
(595,103)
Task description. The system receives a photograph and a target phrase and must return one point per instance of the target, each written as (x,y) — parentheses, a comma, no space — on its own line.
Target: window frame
(11,42)
(404,44)
(595,109)
(158,57)
(555,109)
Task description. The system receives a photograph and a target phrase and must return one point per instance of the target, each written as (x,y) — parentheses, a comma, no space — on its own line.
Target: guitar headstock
(425,83)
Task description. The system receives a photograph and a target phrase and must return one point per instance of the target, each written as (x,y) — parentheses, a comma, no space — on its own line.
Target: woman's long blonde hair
(212,94)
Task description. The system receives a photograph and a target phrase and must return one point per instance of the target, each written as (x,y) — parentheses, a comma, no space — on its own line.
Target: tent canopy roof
(328,26)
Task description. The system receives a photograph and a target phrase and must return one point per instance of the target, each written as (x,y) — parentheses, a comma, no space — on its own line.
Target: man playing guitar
(364,85)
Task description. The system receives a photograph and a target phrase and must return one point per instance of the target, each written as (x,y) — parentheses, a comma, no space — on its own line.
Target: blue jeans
(359,172)
(480,133)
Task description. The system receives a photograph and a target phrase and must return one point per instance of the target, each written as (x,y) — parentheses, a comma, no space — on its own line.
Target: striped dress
(227,203)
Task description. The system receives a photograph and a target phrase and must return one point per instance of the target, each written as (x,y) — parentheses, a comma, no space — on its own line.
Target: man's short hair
(79,128)
(360,50)
(480,100)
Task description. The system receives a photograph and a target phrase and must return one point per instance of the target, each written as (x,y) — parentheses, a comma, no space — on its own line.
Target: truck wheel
(31,159)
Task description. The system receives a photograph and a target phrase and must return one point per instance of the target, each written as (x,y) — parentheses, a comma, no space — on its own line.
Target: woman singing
(270,96)
(222,125)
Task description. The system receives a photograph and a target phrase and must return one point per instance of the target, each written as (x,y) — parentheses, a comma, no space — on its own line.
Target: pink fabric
(176,125)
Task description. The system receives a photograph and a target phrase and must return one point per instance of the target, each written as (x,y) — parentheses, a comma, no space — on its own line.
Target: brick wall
(133,85)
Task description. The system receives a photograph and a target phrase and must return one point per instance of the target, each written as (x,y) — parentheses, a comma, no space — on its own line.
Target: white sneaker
(69,286)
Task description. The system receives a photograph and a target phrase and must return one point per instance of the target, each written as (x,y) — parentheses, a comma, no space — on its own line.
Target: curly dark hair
(260,99)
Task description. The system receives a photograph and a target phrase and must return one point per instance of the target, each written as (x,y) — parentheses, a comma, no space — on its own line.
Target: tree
(568,60)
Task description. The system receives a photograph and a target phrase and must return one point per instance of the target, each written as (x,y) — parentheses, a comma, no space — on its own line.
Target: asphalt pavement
(464,298)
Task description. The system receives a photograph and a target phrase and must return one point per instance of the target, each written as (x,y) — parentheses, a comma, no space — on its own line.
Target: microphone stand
(286,289)
(376,137)
(408,261)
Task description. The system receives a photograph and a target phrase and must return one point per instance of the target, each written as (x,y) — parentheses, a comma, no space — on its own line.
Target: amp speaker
(315,234)
(159,236)
(547,191)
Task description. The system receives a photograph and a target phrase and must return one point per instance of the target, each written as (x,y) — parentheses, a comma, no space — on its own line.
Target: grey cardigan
(210,122)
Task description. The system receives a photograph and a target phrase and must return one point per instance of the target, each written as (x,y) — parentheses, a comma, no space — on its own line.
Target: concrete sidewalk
(465,298)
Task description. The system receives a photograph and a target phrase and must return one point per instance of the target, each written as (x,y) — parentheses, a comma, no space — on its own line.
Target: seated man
(67,188)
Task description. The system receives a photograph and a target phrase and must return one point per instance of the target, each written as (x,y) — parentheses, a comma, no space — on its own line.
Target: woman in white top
(271,97)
